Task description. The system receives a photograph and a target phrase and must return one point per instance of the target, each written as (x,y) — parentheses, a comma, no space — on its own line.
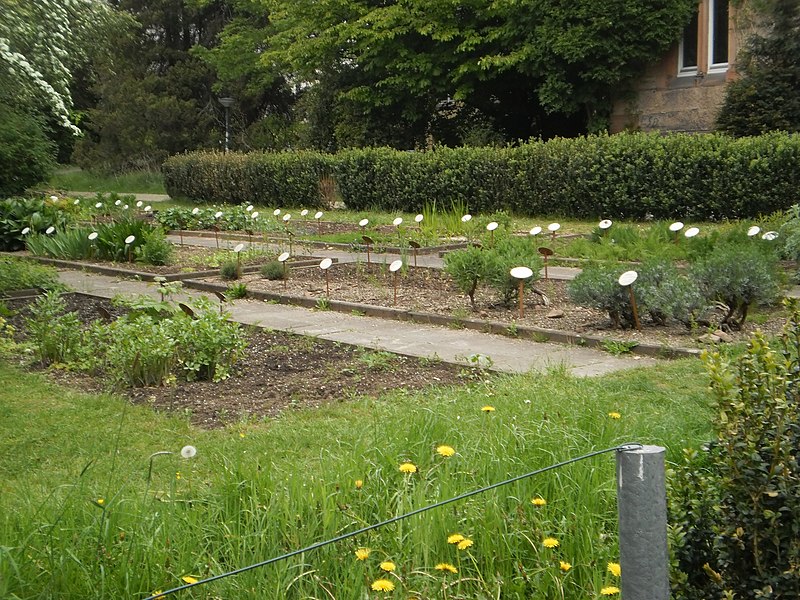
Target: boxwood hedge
(633,176)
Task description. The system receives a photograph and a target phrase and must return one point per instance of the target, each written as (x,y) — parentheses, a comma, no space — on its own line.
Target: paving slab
(413,339)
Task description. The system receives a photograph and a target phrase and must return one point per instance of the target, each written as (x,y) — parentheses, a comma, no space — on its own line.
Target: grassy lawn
(79,517)
(77,180)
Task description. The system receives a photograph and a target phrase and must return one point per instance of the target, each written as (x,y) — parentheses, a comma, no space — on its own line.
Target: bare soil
(546,303)
(279,372)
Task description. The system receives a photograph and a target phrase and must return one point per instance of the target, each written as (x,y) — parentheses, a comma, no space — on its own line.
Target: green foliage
(738,276)
(736,511)
(26,154)
(660,290)
(16,274)
(467,268)
(229,270)
(287,178)
(74,243)
(274,270)
(55,333)
(766,96)
(631,176)
(35,213)
(507,253)
(156,249)
(152,344)
(236,291)
(619,347)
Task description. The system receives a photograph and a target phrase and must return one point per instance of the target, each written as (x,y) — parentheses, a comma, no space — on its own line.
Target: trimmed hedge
(286,178)
(633,176)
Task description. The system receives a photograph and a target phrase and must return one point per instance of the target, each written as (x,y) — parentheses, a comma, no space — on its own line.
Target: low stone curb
(145,276)
(496,327)
(379,249)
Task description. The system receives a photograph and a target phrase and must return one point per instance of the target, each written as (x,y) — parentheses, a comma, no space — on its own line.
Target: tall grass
(78,180)
(260,489)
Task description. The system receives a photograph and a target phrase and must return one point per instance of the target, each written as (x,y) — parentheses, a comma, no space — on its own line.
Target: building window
(704,45)
(687,57)
(718,35)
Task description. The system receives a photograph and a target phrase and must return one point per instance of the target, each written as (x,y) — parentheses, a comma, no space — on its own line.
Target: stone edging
(496,327)
(145,276)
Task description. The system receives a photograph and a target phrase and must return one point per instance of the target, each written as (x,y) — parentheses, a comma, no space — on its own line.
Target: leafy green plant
(618,347)
(17,274)
(738,276)
(274,270)
(376,360)
(736,510)
(55,333)
(156,249)
(507,253)
(229,270)
(467,268)
(322,304)
(35,213)
(236,291)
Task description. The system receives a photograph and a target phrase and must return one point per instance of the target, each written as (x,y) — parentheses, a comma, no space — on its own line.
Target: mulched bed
(280,372)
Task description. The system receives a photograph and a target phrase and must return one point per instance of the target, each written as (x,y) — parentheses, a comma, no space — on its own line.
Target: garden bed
(280,371)
(430,295)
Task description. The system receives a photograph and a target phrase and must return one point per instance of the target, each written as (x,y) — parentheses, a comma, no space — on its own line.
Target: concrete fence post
(642,507)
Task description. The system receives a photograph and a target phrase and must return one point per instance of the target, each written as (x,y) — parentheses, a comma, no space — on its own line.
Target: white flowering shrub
(41,43)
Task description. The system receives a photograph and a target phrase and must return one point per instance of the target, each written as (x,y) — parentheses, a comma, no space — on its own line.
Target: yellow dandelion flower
(538,501)
(178,475)
(388,566)
(101,501)
(550,543)
(455,538)
(465,543)
(362,553)
(408,468)
(614,569)
(446,567)
(188,579)
(609,591)
(359,484)
(564,566)
(488,409)
(382,585)
(241,434)
(615,415)
(158,594)
(446,451)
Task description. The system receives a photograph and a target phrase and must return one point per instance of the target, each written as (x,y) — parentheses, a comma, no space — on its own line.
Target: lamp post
(227,103)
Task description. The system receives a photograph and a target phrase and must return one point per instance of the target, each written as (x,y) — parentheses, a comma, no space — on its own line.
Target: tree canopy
(767,96)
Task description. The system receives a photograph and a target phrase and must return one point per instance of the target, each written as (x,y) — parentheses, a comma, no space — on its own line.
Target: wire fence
(345,536)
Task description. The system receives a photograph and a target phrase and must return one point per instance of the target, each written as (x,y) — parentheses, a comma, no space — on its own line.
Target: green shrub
(507,253)
(156,249)
(55,333)
(738,276)
(16,274)
(632,176)
(236,291)
(68,244)
(141,350)
(35,213)
(597,286)
(229,270)
(736,510)
(278,178)
(274,270)
(209,345)
(661,293)
(27,156)
(467,268)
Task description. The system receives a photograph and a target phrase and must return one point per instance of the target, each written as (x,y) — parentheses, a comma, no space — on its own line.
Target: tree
(41,43)
(767,96)
(511,65)
(154,97)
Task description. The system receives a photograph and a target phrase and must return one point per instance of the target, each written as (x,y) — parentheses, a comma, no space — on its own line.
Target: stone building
(683,91)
